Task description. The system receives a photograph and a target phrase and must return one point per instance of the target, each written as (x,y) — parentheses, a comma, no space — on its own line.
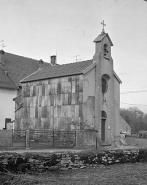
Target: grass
(122,174)
(141,142)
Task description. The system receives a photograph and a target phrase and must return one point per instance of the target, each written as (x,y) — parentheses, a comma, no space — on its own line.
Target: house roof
(5,81)
(100,37)
(59,71)
(19,67)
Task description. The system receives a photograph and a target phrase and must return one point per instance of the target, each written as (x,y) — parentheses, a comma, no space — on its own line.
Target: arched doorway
(103,122)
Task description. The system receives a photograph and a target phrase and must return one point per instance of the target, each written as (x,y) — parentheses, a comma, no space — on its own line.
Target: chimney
(6,73)
(53,60)
(2,56)
(40,63)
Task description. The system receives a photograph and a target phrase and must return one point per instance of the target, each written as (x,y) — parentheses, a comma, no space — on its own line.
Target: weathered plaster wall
(7,105)
(53,103)
(89,98)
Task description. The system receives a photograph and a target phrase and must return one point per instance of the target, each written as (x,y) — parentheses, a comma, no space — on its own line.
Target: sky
(41,28)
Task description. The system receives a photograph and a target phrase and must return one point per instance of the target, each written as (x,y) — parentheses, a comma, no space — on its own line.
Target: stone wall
(38,163)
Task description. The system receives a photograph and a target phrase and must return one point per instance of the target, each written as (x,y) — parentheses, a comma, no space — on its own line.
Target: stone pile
(32,162)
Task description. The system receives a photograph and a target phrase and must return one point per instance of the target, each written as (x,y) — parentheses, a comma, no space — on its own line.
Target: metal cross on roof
(103,31)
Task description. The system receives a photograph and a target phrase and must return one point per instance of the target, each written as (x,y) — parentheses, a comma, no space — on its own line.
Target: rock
(82,167)
(64,169)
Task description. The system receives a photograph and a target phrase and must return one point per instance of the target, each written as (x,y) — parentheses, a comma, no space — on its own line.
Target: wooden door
(103,129)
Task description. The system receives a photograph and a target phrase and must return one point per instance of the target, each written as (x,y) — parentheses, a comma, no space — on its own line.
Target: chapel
(75,96)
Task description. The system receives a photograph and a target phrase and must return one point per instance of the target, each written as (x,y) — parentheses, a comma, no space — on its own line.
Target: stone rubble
(42,162)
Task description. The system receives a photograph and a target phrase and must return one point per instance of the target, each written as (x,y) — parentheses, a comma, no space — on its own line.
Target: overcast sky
(41,28)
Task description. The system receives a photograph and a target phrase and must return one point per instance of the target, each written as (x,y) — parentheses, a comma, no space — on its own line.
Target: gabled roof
(5,81)
(59,71)
(116,76)
(19,67)
(100,37)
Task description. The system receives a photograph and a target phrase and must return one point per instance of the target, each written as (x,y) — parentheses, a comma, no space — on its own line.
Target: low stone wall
(32,162)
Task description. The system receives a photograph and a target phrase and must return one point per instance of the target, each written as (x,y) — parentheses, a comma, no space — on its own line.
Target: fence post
(96,143)
(12,136)
(75,139)
(27,139)
(53,138)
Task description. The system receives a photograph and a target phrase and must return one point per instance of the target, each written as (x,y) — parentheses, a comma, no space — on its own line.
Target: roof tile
(5,81)
(19,67)
(59,71)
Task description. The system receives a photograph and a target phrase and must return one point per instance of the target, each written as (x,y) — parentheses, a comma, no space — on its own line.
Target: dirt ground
(122,174)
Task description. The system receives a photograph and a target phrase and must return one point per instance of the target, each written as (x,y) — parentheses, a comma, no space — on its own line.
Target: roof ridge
(74,62)
(30,74)
(25,57)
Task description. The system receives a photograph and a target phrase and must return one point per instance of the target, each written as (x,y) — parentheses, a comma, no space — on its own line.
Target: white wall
(7,105)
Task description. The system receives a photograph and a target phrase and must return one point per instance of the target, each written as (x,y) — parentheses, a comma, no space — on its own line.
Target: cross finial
(103,31)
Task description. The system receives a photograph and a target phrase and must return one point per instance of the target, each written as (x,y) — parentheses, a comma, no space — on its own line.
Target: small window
(104,85)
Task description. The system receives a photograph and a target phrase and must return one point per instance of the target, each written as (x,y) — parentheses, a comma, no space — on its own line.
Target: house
(76,96)
(13,68)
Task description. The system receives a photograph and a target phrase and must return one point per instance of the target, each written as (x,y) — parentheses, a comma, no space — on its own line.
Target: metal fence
(64,138)
(43,139)
(37,139)
(18,138)
(47,139)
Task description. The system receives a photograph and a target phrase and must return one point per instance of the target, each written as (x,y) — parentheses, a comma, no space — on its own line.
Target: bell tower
(104,88)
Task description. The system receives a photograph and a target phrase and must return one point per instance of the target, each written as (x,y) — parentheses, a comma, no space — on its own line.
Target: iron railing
(44,139)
